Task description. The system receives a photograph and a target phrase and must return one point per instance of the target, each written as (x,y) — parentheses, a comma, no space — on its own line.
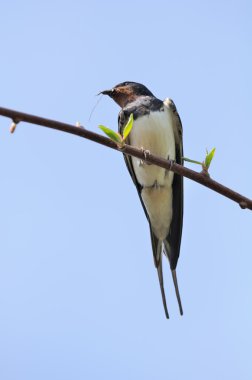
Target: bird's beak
(106,92)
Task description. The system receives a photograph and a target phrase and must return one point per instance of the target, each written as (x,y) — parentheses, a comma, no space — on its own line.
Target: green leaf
(192,161)
(209,157)
(128,127)
(111,134)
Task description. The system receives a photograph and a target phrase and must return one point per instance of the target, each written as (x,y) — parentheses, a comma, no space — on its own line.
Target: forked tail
(161,283)
(167,251)
(175,281)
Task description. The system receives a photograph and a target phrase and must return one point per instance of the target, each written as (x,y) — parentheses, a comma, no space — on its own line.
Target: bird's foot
(146,154)
(171,161)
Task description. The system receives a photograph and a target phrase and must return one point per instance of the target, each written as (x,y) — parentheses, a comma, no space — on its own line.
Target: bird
(157,129)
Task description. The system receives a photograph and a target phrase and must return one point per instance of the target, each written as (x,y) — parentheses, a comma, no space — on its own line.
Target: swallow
(157,128)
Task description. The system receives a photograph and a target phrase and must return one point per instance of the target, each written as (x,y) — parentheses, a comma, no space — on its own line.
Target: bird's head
(127,92)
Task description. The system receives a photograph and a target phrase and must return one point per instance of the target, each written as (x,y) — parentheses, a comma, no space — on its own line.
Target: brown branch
(130,150)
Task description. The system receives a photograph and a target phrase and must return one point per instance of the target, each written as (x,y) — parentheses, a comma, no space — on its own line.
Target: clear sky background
(79,295)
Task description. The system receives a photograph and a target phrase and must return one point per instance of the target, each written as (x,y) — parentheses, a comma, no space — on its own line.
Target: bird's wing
(156,244)
(174,236)
(173,240)
(122,121)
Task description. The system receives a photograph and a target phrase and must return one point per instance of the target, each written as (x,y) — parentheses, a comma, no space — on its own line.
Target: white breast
(153,132)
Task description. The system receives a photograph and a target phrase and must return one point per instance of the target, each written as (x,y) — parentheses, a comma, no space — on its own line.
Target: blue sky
(79,293)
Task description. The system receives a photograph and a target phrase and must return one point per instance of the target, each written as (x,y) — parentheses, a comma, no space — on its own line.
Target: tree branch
(132,151)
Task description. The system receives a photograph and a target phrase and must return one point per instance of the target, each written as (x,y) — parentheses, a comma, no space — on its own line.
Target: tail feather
(157,255)
(167,251)
(161,283)
(174,277)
